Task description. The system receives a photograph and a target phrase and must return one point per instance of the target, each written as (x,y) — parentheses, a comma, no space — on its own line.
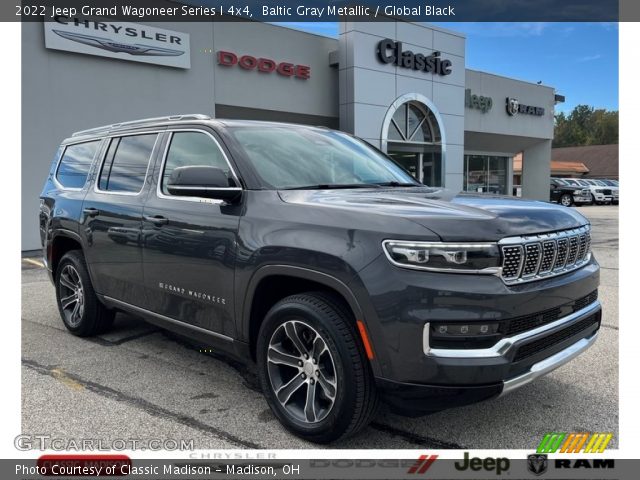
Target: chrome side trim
(163,318)
(549,364)
(503,346)
(163,161)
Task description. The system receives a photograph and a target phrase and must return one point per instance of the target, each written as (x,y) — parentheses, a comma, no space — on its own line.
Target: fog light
(451,330)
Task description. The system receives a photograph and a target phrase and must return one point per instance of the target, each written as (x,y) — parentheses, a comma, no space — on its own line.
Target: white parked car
(615,188)
(600,193)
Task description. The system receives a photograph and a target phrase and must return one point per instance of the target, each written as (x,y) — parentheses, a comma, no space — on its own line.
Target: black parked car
(313,254)
(568,195)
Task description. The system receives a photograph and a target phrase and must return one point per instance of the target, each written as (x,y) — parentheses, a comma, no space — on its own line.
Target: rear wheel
(81,311)
(313,369)
(566,199)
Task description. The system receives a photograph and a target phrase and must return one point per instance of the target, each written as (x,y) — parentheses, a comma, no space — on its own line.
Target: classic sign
(392,53)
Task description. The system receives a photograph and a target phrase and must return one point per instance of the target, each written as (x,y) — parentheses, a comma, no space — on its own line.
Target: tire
(566,199)
(85,316)
(342,363)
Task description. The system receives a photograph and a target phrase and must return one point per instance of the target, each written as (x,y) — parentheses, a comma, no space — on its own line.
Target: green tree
(586,126)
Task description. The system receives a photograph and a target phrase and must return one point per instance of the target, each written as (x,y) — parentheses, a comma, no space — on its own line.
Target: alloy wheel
(302,371)
(71,295)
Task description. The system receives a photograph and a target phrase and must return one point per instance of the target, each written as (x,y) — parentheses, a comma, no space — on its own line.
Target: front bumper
(412,372)
(581,199)
(576,335)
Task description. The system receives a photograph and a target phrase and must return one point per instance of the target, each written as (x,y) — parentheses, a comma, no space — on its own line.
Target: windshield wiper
(398,184)
(332,186)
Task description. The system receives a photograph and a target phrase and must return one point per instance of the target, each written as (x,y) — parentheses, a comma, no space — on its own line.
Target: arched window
(413,122)
(414,141)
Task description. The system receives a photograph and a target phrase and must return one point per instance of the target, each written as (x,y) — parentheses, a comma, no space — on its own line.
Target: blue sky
(579,59)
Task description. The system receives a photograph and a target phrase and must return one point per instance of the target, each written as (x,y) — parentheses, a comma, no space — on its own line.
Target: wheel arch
(264,282)
(62,242)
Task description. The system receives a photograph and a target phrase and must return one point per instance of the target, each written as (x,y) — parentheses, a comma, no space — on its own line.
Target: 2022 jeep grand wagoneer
(313,254)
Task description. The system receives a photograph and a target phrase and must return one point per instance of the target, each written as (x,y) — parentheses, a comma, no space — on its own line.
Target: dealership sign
(479,102)
(391,52)
(122,40)
(263,65)
(514,107)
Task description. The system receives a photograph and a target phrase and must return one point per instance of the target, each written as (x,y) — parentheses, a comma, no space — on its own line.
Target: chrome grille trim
(534,257)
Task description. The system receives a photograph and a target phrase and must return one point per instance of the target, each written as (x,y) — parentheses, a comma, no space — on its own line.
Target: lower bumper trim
(549,364)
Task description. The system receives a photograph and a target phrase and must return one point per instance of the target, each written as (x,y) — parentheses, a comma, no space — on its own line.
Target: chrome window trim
(211,201)
(503,346)
(57,183)
(96,189)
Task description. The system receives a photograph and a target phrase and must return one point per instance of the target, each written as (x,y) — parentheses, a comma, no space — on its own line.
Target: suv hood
(452,216)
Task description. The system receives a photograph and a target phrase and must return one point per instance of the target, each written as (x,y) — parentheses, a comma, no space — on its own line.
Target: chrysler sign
(122,40)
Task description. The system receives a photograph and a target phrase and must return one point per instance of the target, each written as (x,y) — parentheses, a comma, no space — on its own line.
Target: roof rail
(141,122)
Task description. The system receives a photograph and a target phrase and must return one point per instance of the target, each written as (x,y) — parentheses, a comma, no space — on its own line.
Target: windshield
(299,157)
(573,182)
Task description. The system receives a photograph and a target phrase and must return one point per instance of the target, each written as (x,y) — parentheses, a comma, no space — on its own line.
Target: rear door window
(125,165)
(76,163)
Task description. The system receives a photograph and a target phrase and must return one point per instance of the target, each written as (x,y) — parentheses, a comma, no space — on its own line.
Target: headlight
(444,257)
(598,190)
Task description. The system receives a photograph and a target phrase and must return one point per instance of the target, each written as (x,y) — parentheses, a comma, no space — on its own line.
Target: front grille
(606,192)
(540,256)
(529,322)
(549,341)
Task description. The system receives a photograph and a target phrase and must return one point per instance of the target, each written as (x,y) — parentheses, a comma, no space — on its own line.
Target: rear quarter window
(75,164)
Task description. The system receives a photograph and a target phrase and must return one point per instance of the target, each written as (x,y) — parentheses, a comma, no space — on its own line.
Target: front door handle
(91,212)
(156,220)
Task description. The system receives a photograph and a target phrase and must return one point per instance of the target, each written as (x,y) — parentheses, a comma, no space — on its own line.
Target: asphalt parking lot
(142,383)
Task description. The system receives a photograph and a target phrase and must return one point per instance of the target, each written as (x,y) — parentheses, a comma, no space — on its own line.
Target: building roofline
(510,78)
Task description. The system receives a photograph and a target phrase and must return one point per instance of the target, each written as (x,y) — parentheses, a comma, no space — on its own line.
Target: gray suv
(314,255)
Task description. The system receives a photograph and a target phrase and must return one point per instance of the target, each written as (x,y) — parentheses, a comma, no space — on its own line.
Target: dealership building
(401,86)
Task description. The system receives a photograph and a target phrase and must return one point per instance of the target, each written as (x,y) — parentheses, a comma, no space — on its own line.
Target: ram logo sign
(122,40)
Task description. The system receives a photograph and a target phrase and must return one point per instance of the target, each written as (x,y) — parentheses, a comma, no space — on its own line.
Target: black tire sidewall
(565,195)
(339,419)
(89,323)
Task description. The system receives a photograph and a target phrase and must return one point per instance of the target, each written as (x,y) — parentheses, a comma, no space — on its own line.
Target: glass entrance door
(486,174)
(424,162)
(410,161)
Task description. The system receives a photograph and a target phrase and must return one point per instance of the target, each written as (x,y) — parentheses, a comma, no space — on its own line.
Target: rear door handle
(157,220)
(91,212)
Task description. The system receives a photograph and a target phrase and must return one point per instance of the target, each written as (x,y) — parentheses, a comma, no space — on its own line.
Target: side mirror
(201,181)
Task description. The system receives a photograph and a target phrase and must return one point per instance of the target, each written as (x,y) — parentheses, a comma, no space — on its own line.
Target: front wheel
(81,311)
(313,369)
(566,200)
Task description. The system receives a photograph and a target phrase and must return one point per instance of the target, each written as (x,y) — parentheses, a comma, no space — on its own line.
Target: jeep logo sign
(478,102)
(264,65)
